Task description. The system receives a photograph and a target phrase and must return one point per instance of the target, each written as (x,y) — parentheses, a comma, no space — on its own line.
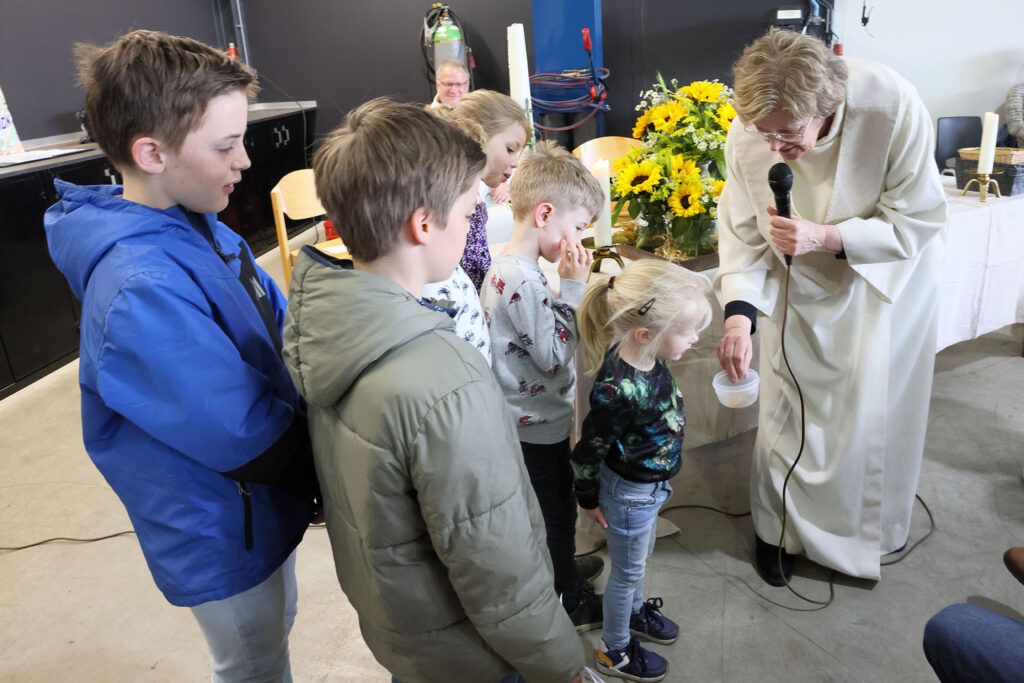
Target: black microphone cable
(780,179)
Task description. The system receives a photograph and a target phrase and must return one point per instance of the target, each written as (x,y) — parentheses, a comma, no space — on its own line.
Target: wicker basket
(1004,155)
(1009,177)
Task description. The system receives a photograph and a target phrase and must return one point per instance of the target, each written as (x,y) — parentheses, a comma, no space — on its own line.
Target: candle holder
(602,253)
(983,180)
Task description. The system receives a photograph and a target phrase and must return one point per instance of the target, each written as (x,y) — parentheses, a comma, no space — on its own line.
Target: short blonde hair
(492,111)
(787,72)
(387,160)
(551,174)
(649,293)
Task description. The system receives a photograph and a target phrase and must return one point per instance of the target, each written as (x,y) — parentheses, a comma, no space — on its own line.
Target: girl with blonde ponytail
(631,444)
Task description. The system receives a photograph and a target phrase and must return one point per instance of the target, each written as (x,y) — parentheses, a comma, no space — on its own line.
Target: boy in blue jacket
(187,408)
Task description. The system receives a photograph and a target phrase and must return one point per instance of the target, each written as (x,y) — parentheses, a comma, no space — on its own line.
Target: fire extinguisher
(442,37)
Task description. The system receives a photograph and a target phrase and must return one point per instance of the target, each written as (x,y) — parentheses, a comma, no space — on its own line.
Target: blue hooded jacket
(181,382)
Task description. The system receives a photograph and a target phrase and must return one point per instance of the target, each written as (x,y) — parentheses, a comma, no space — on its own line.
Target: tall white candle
(988,143)
(603,224)
(519,70)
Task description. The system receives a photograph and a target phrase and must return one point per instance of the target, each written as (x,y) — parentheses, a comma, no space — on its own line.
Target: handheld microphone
(780,179)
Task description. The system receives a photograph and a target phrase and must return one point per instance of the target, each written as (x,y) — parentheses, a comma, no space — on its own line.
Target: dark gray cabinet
(38,313)
(276,146)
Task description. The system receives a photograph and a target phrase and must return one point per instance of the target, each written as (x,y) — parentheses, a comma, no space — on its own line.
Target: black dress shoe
(766,561)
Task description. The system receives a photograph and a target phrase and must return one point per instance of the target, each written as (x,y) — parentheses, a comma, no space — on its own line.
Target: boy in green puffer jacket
(437,537)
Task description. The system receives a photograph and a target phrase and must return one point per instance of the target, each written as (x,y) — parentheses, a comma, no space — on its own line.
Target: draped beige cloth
(861,331)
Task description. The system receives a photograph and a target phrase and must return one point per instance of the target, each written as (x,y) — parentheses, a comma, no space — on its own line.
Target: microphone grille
(780,177)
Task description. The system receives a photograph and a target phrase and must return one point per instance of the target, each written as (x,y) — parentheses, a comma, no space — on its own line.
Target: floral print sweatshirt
(635,427)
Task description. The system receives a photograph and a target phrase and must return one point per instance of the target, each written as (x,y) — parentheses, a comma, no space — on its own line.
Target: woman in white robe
(866,241)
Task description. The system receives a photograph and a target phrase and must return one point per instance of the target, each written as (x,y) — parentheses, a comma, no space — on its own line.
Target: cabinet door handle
(287,135)
(277,137)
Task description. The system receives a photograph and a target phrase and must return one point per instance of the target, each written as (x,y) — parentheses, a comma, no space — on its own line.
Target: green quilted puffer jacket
(437,537)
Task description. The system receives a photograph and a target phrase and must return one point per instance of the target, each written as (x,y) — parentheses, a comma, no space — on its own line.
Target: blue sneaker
(650,624)
(632,662)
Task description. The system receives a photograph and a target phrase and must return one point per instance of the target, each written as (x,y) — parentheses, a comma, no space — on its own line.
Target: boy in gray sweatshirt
(533,339)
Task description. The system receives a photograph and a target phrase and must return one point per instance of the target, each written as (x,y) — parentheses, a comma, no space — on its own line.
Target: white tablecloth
(982,285)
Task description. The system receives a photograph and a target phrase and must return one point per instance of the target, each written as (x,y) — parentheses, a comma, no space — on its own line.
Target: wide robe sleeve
(746,259)
(478,516)
(910,211)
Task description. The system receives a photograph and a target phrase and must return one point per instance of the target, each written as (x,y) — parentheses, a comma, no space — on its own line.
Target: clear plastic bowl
(739,395)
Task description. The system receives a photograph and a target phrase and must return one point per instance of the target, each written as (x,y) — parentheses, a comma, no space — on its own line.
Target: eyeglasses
(781,137)
(449,84)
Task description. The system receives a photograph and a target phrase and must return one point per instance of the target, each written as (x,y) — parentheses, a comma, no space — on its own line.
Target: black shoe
(588,613)
(766,561)
(588,568)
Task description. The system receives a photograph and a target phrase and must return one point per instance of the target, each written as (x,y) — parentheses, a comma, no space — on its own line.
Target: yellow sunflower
(725,115)
(638,177)
(620,164)
(641,125)
(685,201)
(703,91)
(683,167)
(666,116)
(716,187)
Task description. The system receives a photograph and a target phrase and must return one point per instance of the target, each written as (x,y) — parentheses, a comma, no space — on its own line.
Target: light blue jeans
(248,633)
(631,510)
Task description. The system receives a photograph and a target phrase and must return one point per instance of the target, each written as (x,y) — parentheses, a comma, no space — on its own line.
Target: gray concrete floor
(90,612)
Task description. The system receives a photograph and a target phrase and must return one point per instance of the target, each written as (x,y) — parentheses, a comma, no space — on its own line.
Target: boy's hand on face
(575,261)
(501,194)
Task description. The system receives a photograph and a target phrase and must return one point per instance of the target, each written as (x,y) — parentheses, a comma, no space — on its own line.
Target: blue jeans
(248,633)
(965,642)
(631,510)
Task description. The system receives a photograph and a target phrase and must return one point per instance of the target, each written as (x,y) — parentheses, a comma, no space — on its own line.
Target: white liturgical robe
(860,334)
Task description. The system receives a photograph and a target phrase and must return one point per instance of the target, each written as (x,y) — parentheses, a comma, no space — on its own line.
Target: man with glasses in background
(452,84)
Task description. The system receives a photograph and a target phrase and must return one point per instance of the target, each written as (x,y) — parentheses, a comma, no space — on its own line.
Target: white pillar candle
(603,224)
(519,70)
(988,143)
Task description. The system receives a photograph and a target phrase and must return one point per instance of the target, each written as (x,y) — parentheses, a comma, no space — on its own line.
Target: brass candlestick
(983,180)
(602,253)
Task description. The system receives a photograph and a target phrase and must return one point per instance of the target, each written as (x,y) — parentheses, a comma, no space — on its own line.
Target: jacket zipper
(246,495)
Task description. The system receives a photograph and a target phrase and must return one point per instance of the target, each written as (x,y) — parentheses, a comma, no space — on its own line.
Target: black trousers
(551,476)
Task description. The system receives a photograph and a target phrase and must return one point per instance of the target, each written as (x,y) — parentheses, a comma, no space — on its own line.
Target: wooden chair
(610,147)
(294,196)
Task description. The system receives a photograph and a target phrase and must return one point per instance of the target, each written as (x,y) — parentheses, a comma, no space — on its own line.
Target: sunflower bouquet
(671,184)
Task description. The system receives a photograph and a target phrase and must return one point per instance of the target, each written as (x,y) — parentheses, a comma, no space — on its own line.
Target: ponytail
(648,293)
(592,323)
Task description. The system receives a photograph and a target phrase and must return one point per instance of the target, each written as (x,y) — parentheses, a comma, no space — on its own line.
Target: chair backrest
(294,196)
(609,148)
(954,132)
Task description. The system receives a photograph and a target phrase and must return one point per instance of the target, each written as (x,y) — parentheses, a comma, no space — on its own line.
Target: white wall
(962,55)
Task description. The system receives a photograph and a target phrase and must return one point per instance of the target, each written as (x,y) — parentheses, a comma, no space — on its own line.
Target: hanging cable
(583,82)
